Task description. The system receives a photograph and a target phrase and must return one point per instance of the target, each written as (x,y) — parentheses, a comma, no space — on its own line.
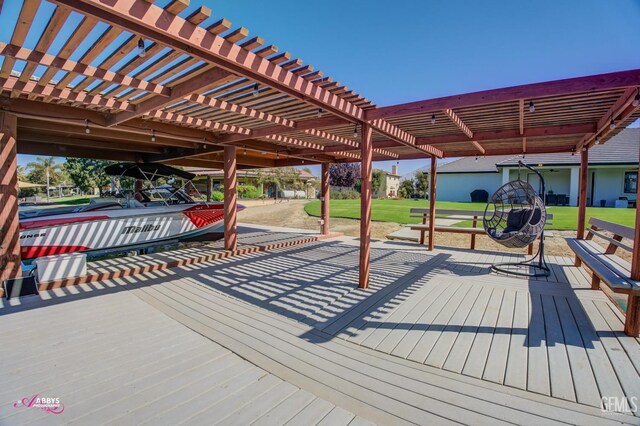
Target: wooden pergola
(137,82)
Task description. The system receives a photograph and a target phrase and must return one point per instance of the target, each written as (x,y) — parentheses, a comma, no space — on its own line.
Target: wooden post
(9,228)
(366,176)
(632,322)
(208,192)
(582,202)
(230,199)
(432,203)
(325,199)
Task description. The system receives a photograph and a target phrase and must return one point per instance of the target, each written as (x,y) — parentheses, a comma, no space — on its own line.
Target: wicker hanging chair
(515,215)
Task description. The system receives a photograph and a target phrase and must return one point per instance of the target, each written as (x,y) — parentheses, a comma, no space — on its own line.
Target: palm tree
(46,167)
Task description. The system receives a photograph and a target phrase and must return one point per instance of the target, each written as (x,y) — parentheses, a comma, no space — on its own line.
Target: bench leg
(578,262)
(530,249)
(473,241)
(632,321)
(595,282)
(422,231)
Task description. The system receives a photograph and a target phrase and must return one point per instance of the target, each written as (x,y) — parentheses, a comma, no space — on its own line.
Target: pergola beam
(154,23)
(458,122)
(397,134)
(205,79)
(39,58)
(568,86)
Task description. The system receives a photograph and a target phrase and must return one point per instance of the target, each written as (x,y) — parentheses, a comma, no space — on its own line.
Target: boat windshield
(164,195)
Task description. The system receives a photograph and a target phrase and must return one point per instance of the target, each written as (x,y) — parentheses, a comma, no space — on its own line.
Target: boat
(159,214)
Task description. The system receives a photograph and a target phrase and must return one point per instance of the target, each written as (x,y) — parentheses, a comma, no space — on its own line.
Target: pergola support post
(366,176)
(9,228)
(208,192)
(230,199)
(632,321)
(325,190)
(582,197)
(432,203)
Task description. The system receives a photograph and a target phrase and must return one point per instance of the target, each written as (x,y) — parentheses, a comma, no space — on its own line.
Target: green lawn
(398,211)
(73,201)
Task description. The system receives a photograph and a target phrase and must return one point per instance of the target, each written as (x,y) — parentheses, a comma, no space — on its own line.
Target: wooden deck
(436,338)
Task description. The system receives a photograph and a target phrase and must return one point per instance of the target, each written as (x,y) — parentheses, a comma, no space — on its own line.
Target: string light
(532,107)
(255,90)
(613,123)
(142,52)
(87,130)
(476,158)
(245,150)
(355,131)
(277,155)
(433,119)
(573,152)
(319,112)
(153,135)
(636,100)
(597,140)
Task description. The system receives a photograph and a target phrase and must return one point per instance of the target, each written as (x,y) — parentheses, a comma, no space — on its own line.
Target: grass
(564,218)
(73,201)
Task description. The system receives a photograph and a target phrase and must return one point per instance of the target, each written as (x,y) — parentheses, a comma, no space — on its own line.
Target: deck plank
(479,351)
(498,353)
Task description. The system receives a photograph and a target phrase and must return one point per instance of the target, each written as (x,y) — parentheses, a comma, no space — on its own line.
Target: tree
(422,184)
(86,173)
(407,188)
(44,170)
(345,175)
(379,182)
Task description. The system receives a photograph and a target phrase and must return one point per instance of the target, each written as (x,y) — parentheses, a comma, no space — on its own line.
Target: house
(612,173)
(392,183)
(251,177)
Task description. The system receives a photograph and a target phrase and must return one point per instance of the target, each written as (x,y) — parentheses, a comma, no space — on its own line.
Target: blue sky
(393,52)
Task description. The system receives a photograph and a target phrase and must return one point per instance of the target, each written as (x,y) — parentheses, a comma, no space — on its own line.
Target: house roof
(620,149)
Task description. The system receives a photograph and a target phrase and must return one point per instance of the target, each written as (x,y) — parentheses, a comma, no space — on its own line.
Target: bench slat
(452,229)
(615,228)
(602,265)
(610,240)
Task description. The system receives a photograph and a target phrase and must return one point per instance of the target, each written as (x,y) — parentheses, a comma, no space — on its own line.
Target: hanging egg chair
(515,217)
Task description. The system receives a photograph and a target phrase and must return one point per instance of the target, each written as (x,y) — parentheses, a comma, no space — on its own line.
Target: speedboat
(152,216)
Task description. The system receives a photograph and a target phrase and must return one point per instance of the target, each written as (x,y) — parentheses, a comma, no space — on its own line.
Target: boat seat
(134,204)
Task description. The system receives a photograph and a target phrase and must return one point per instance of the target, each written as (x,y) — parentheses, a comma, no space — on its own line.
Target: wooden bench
(464,215)
(608,268)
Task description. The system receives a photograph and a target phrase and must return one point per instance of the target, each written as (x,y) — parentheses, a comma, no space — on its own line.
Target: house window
(630,182)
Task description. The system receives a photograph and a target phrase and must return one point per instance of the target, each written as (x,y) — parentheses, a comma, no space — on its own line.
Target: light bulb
(153,135)
(319,112)
(355,131)
(142,52)
(532,107)
(87,130)
(613,124)
(255,90)
(433,119)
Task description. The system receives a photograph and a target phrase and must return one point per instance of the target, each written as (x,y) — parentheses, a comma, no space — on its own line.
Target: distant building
(613,173)
(393,182)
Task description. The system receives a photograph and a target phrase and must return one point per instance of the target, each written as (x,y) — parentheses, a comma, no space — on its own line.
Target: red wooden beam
(325,191)
(582,197)
(366,174)
(315,123)
(632,322)
(458,122)
(592,83)
(230,199)
(620,111)
(397,134)
(432,203)
(521,115)
(34,57)
(9,231)
(154,23)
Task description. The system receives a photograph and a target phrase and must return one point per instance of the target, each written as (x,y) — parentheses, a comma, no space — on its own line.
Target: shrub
(252,194)
(217,196)
(344,195)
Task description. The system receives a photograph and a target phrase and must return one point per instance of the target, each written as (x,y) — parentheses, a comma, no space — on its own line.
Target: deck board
(285,336)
